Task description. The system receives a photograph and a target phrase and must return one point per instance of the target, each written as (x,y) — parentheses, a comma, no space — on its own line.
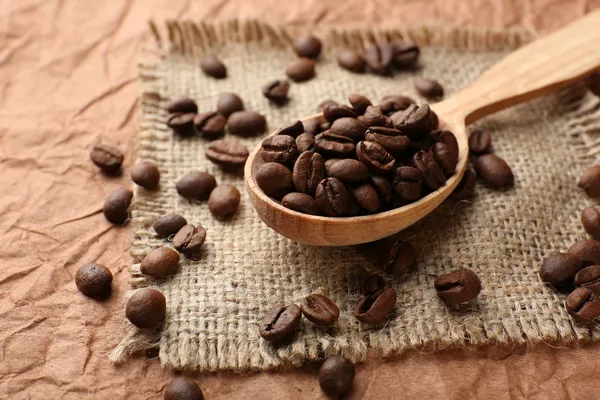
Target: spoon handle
(533,70)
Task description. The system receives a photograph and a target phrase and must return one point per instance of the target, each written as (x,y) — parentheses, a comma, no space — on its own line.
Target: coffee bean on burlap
(224,201)
(210,125)
(228,103)
(294,129)
(328,102)
(169,224)
(212,66)
(366,197)
(494,171)
(196,185)
(401,257)
(276,91)
(590,181)
(189,240)
(246,123)
(383,187)
(406,54)
(301,69)
(373,116)
(229,154)
(331,112)
(378,57)
(319,310)
(312,126)
(429,88)
(182,105)
(108,158)
(301,202)
(334,146)
(480,141)
(308,46)
(445,137)
(280,323)
(182,388)
(583,305)
(375,157)
(94,280)
(146,175)
(279,148)
(182,124)
(349,127)
(374,308)
(415,121)
(391,104)
(305,142)
(559,268)
(146,308)
(466,187)
(160,262)
(274,179)
(334,199)
(458,287)
(588,251)
(589,277)
(349,171)
(359,103)
(116,206)
(445,158)
(590,218)
(336,376)
(391,139)
(371,283)
(309,170)
(351,61)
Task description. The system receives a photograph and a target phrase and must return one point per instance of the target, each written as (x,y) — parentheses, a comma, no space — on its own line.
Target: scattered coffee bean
(366,197)
(587,250)
(480,141)
(294,129)
(109,159)
(348,127)
(182,388)
(466,187)
(189,240)
(146,308)
(308,46)
(373,116)
(407,182)
(305,142)
(334,146)
(169,224)
(359,103)
(276,91)
(494,171)
(312,126)
(375,157)
(93,280)
(213,67)
(229,154)
(336,376)
(280,323)
(301,69)
(372,283)
(391,104)
(160,262)
(328,102)
(374,308)
(401,257)
(210,125)
(429,88)
(351,61)
(301,202)
(349,171)
(182,105)
(228,103)
(331,112)
(309,170)
(334,199)
(590,181)
(559,268)
(116,206)
(279,148)
(391,139)
(319,310)
(406,54)
(182,124)
(383,187)
(275,180)
(378,57)
(196,185)
(146,175)
(583,305)
(589,277)
(246,123)
(590,218)
(224,201)
(458,287)
(445,158)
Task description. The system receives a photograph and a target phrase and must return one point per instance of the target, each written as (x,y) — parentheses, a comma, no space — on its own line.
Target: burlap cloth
(214,305)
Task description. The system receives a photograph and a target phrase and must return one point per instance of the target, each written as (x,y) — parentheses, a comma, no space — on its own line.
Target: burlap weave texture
(214,305)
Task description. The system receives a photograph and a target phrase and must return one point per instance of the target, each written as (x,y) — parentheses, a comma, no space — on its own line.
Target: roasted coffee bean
(160,262)
(146,175)
(328,102)
(351,61)
(324,126)
(375,157)
(277,91)
(182,124)
(406,54)
(246,123)
(458,287)
(378,57)
(434,121)
(466,186)
(308,46)
(224,201)
(372,283)
(294,129)
(433,176)
(559,268)
(374,308)
(401,257)
(274,179)
(383,187)
(590,218)
(445,137)
(349,127)
(301,69)
(480,141)
(392,104)
(588,252)
(214,67)
(336,376)
(349,171)
(593,83)
(334,146)
(407,183)
(334,199)
(589,277)
(494,171)
(116,206)
(301,202)
(182,388)
(182,105)
(415,121)
(305,142)
(228,103)
(189,240)
(312,126)
(391,139)
(328,164)
(583,305)
(280,323)
(169,224)
(429,88)
(146,308)
(196,185)
(109,159)
(210,125)
(279,148)
(309,170)
(373,116)
(359,103)
(332,112)
(227,153)
(445,158)
(94,280)
(366,197)
(319,310)
(590,181)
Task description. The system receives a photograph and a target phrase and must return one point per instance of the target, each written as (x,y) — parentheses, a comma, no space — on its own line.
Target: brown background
(67,78)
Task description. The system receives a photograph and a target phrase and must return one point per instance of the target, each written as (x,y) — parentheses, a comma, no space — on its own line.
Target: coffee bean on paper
(276,91)
(406,54)
(301,69)
(224,201)
(93,280)
(308,46)
(466,187)
(160,262)
(494,171)
(182,388)
(588,251)
(458,287)
(279,148)
(560,268)
(280,323)
(336,376)
(169,224)
(378,57)
(214,67)
(305,142)
(228,103)
(274,179)
(182,105)
(301,202)
(189,240)
(334,199)
(146,308)
(108,158)
(583,305)
(590,218)
(349,170)
(590,181)
(246,123)
(365,197)
(351,61)
(374,308)
(359,103)
(392,104)
(210,125)
(308,171)
(480,141)
(589,277)
(429,88)
(116,206)
(182,124)
(229,154)
(196,185)
(319,310)
(146,175)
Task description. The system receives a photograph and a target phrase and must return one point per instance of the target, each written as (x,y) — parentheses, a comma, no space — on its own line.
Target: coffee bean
(583,305)
(305,142)
(590,218)
(280,323)
(366,197)
(324,126)
(590,181)
(279,148)
(401,257)
(378,57)
(182,388)
(351,61)
(375,157)
(466,187)
(445,137)
(169,224)
(274,180)
(374,117)
(391,104)
(458,287)
(391,139)
(312,126)
(445,158)
(146,175)
(228,103)
(160,262)
(374,308)
(588,252)
(319,310)
(227,153)
(116,206)
(494,171)
(182,105)
(146,308)
(276,91)
(406,54)
(301,69)
(328,102)
(109,159)
(383,187)
(372,283)
(189,240)
(224,201)
(301,202)
(433,176)
(559,268)
(336,376)
(94,280)
(213,67)
(593,83)
(334,199)
(309,170)
(334,146)
(182,124)
(589,277)
(359,103)
(246,123)
(196,185)
(332,112)
(415,121)
(407,183)
(429,88)
(349,171)
(210,125)
(308,46)
(328,164)
(480,141)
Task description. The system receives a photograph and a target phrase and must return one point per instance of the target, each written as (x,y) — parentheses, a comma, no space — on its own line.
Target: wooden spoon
(534,70)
